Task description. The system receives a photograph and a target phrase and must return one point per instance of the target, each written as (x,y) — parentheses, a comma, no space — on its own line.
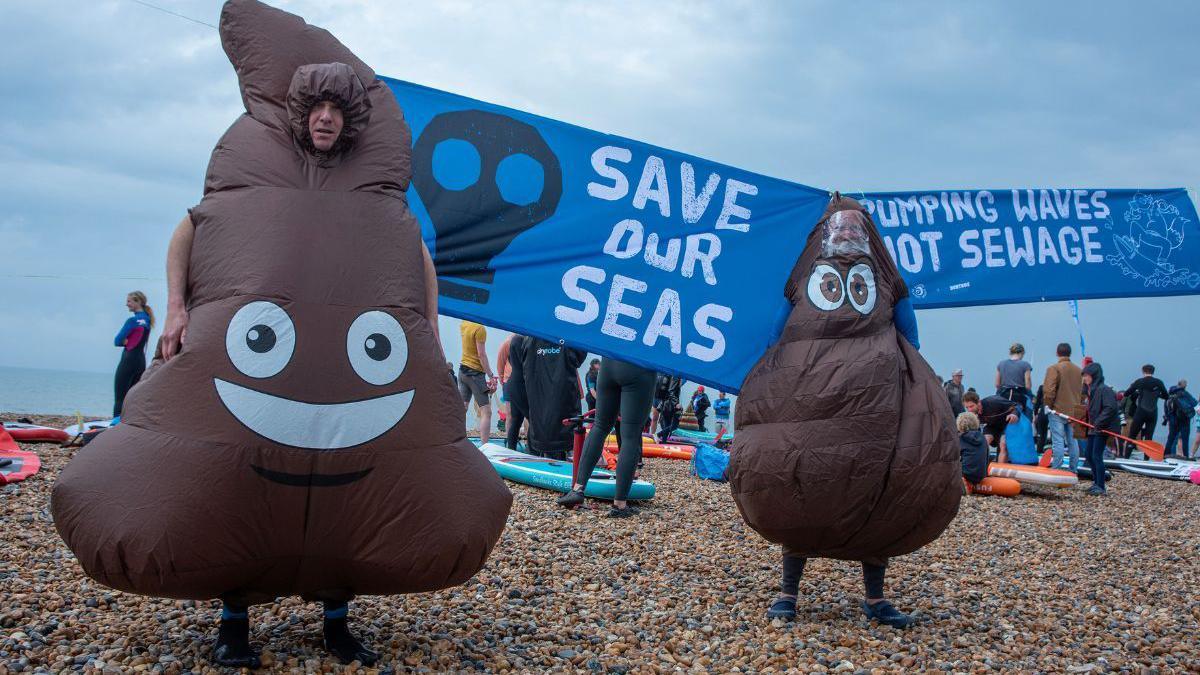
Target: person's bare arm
(997,378)
(1028,381)
(431,293)
(481,348)
(179,252)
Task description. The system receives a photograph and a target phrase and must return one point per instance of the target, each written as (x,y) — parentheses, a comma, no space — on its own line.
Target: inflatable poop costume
(307,440)
(845,445)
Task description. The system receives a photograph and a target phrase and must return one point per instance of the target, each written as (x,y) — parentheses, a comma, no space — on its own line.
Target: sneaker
(626,512)
(783,608)
(885,613)
(571,499)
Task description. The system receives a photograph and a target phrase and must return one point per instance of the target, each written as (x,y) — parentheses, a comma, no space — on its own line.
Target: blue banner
(678,263)
(618,247)
(983,247)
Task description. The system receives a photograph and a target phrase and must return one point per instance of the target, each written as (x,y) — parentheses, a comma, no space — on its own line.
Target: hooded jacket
(973,447)
(306,440)
(846,447)
(1102,402)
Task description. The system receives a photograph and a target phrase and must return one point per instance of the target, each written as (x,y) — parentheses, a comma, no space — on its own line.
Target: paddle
(1153,449)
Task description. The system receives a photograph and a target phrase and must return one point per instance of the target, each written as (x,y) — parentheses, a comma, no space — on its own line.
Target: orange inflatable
(649,449)
(999,487)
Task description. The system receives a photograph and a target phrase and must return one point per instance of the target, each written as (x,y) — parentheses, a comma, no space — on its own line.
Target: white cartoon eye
(377,347)
(860,284)
(260,339)
(825,288)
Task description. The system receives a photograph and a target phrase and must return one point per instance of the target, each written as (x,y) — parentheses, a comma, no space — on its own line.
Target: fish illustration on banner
(672,261)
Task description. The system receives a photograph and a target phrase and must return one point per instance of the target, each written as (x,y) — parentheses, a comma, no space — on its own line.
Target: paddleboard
(1081,469)
(652,448)
(35,433)
(551,474)
(694,437)
(993,486)
(76,430)
(1168,470)
(20,464)
(1033,474)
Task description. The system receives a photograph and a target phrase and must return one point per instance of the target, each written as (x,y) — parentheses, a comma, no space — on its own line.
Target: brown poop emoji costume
(845,445)
(307,439)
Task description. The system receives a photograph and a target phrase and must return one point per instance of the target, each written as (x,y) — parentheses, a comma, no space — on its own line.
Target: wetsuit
(668,391)
(625,389)
(993,414)
(514,392)
(1146,390)
(132,339)
(552,384)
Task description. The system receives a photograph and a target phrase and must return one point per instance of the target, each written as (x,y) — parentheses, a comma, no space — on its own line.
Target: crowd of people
(1074,412)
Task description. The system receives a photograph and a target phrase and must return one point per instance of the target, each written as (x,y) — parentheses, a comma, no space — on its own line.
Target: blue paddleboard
(553,474)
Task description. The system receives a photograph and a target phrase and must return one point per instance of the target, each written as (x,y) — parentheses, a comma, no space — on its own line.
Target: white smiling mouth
(315,426)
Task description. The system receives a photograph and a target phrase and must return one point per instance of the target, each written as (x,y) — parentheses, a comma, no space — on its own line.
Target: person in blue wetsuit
(132,339)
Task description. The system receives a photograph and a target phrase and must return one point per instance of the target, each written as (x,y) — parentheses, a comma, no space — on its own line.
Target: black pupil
(260,339)
(378,346)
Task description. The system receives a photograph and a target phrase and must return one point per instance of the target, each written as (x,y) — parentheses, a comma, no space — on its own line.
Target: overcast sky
(112,108)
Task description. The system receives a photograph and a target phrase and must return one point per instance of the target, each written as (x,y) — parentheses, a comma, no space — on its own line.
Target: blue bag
(710,462)
(1019,436)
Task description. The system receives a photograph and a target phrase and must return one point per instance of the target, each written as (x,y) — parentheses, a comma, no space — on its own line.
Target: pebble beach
(1051,581)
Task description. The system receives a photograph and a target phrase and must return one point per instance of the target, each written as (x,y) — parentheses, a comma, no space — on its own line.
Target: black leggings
(628,389)
(129,371)
(1142,428)
(793,569)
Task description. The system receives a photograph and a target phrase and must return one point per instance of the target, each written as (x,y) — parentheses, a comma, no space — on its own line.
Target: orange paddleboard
(654,449)
(649,449)
(1035,475)
(999,487)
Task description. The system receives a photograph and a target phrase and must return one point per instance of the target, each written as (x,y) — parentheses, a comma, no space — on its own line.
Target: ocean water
(55,392)
(65,392)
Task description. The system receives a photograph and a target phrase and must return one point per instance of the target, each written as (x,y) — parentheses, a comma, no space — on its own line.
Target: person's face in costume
(325,125)
(843,274)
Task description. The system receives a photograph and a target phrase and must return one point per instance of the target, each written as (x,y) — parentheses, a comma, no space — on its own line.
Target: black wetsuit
(514,392)
(1146,390)
(667,392)
(134,336)
(551,373)
(625,389)
(994,416)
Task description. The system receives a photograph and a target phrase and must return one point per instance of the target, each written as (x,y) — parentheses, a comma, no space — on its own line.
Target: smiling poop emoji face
(307,440)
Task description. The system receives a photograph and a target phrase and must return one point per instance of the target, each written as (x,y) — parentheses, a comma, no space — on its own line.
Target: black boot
(342,644)
(233,648)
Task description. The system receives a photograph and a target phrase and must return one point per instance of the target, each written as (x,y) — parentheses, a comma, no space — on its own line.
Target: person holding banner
(625,389)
